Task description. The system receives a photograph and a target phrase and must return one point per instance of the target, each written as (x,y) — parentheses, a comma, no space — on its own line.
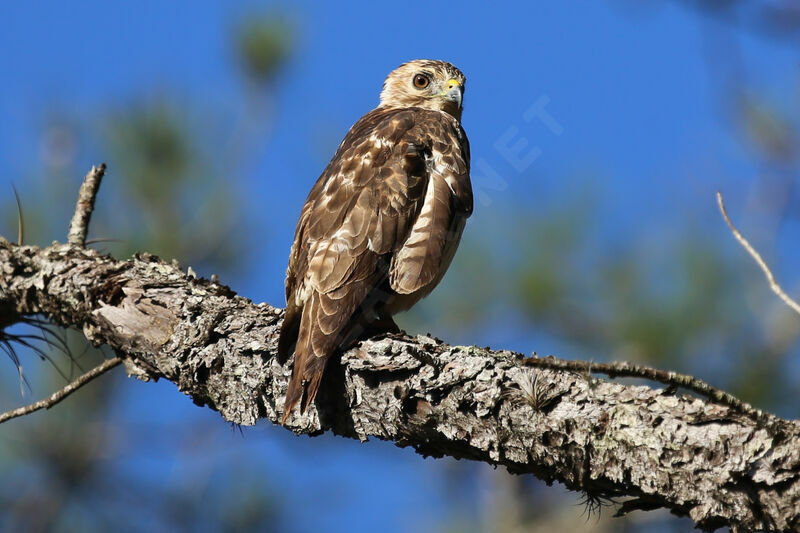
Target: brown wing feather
(364,209)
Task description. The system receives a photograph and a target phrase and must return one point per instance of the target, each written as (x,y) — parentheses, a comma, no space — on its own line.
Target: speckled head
(425,83)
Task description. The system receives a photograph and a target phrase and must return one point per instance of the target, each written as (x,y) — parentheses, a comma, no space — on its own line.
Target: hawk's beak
(454,92)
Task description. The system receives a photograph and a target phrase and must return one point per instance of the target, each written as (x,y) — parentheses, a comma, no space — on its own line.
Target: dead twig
(59,395)
(757,257)
(79,226)
(20,225)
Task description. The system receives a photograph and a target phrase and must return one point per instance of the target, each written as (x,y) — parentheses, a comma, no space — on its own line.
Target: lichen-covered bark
(691,456)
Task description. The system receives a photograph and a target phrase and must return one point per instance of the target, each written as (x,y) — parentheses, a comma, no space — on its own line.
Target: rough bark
(657,449)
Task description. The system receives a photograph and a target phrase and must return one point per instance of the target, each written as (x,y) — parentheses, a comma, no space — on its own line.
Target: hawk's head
(425,83)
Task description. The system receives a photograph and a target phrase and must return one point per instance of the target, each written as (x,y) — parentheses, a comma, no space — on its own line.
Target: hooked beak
(454,92)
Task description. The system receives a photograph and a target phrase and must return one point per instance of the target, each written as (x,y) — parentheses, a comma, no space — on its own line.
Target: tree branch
(673,379)
(59,395)
(710,461)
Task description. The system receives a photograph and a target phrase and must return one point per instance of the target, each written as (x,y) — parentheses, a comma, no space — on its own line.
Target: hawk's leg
(380,323)
(381,326)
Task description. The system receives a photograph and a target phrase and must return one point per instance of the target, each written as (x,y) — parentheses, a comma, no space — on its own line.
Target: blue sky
(631,88)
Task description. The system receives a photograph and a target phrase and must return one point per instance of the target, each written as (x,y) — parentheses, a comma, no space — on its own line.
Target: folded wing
(387,207)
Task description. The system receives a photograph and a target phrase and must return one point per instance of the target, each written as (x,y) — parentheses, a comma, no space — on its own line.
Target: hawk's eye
(421,81)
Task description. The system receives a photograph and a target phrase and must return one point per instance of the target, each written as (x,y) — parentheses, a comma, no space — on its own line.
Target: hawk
(382,223)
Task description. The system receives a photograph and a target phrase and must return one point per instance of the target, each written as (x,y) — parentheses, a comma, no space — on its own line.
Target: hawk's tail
(326,321)
(303,381)
(293,395)
(289,331)
(308,366)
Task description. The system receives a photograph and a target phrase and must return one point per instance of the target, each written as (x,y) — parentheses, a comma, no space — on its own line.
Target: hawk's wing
(399,175)
(430,243)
